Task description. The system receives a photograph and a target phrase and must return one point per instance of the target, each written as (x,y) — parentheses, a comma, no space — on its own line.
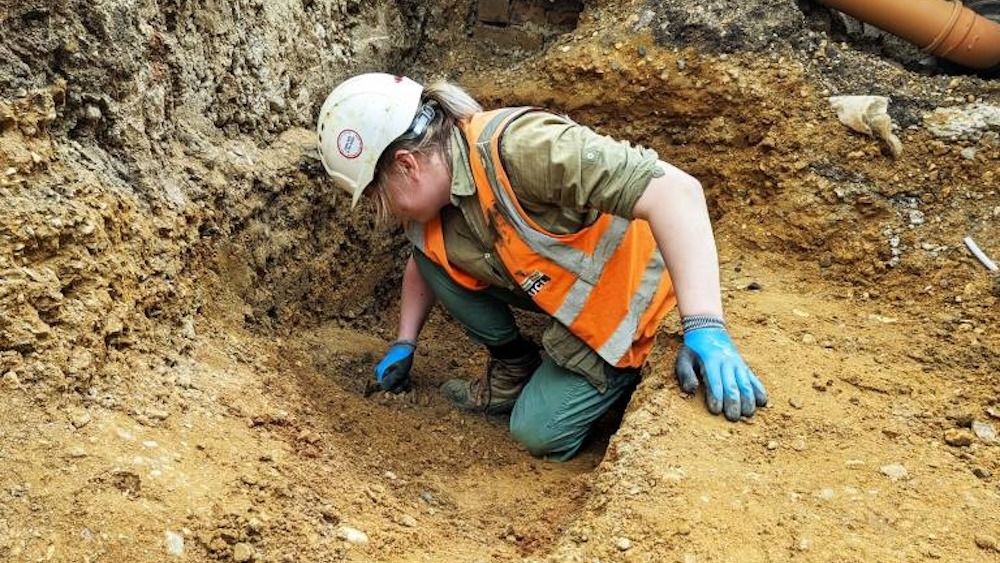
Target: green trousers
(557,407)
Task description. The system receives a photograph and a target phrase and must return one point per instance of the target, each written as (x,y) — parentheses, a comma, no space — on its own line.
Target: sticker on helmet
(349,143)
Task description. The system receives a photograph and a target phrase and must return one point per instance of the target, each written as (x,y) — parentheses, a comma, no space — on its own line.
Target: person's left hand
(730,385)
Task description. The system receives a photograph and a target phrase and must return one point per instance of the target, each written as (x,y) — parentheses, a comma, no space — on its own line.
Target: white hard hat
(359,119)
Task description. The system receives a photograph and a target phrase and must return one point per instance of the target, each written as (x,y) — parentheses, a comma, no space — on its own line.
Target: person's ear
(407,162)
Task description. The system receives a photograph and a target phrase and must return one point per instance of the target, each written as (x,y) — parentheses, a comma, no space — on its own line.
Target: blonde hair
(453,104)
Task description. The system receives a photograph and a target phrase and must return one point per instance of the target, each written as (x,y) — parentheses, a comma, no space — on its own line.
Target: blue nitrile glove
(393,372)
(709,353)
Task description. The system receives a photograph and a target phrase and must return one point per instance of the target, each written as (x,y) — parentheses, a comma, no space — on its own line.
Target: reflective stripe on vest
(609,286)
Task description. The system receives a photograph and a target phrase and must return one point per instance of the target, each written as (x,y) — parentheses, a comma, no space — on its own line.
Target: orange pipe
(942,28)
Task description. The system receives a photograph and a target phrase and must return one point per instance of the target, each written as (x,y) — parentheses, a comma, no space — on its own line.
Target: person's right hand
(393,372)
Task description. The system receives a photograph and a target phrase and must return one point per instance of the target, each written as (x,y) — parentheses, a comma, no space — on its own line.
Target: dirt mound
(191,313)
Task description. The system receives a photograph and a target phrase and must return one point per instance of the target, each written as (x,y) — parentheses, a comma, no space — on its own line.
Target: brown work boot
(496,391)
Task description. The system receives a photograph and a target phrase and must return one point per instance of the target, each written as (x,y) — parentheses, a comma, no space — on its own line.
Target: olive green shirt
(564,175)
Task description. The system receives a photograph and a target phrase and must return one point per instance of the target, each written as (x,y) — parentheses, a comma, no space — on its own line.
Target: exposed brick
(525,11)
(511,37)
(494,11)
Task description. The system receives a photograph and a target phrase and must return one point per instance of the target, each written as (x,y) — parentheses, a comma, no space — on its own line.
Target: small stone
(755,286)
(352,535)
(330,514)
(772,445)
(175,543)
(894,471)
(917,217)
(242,553)
(308,437)
(958,437)
(981,472)
(795,402)
(988,543)
(157,414)
(804,544)
(984,431)
(408,521)
(968,153)
(79,419)
(10,380)
(77,452)
(390,475)
(92,113)
(808,338)
(623,544)
(217,545)
(799,445)
(184,380)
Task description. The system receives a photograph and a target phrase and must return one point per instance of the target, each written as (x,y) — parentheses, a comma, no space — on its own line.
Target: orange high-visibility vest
(606,283)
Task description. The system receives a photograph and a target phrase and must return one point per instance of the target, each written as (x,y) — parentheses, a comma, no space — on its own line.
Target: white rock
(79,419)
(352,535)
(984,431)
(242,552)
(963,122)
(175,543)
(623,544)
(11,380)
(894,471)
(183,379)
(408,521)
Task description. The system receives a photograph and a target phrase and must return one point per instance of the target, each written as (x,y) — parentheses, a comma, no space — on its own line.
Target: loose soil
(190,313)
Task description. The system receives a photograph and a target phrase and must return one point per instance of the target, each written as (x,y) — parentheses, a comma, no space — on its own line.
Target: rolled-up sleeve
(553,161)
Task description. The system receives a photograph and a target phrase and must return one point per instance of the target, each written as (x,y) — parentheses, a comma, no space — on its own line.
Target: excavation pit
(191,311)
